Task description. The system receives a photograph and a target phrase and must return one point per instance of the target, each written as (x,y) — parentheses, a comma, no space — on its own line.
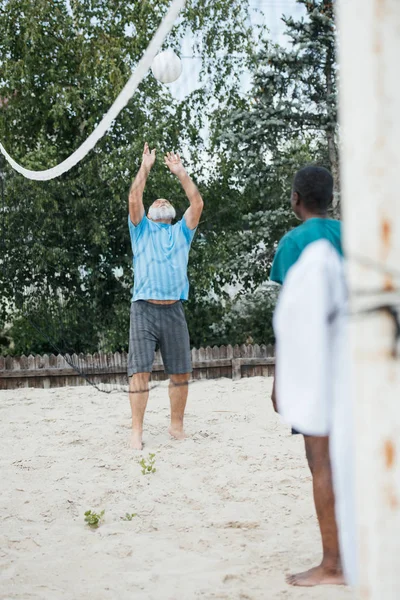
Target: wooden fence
(68,370)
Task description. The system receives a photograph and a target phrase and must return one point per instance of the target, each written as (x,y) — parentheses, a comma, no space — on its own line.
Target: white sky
(272,12)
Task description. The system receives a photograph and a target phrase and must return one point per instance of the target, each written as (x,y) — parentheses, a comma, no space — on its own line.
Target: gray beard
(162,213)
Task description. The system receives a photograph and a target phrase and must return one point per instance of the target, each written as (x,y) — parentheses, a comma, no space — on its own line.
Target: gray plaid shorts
(162,325)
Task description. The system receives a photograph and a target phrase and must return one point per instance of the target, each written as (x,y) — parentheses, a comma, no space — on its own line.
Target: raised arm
(136,208)
(193,213)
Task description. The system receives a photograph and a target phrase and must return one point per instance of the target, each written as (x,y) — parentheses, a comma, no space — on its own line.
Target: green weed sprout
(148,465)
(94,519)
(128,516)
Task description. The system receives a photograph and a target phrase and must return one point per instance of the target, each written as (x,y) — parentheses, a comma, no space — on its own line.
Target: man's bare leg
(138,396)
(329,572)
(178,393)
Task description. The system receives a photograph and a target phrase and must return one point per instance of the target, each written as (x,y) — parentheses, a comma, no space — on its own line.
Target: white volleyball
(167,66)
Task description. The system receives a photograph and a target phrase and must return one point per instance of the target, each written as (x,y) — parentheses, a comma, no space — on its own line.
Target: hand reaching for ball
(174,163)
(148,158)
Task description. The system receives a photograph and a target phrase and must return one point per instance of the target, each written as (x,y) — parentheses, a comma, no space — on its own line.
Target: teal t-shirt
(293,243)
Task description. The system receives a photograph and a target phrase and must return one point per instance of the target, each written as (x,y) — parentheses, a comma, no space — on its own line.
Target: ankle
(331,565)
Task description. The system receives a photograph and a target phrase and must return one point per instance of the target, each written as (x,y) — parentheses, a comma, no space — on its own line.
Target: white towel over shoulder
(306,329)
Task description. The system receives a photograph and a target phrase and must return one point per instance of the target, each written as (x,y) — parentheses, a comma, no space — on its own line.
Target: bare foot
(317,576)
(177,433)
(136,441)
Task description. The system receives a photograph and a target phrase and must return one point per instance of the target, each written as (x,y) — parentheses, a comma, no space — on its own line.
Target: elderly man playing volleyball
(160,258)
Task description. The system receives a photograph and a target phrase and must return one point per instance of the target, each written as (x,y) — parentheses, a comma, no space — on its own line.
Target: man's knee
(180,378)
(140,381)
(317,452)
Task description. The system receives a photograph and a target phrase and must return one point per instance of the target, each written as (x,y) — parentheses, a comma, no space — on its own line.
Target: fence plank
(270,350)
(220,353)
(217,352)
(202,359)
(158,358)
(236,369)
(16,363)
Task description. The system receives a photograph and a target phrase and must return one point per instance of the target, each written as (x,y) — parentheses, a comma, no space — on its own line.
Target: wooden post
(370,121)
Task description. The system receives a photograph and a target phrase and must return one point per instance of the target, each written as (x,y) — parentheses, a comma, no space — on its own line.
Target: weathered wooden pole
(369,53)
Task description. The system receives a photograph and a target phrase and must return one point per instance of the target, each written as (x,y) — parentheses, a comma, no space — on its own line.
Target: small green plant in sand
(94,519)
(128,517)
(148,465)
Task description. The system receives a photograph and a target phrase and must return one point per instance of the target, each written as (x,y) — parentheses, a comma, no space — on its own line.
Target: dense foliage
(66,258)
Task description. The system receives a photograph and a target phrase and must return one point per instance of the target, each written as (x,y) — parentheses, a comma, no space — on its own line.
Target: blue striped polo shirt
(160,259)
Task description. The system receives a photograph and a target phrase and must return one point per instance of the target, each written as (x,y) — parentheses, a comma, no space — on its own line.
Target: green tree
(65,243)
(290,119)
(295,88)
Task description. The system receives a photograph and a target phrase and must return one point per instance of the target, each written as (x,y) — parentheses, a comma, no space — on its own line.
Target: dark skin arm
(273,396)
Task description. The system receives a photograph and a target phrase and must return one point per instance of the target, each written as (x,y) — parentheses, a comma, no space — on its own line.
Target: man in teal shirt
(311,197)
(316,224)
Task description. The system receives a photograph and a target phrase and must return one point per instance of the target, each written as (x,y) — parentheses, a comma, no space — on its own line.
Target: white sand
(228,512)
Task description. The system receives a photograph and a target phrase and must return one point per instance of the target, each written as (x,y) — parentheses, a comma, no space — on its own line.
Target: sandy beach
(227,514)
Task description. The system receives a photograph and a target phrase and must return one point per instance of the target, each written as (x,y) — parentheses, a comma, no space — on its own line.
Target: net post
(370,120)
